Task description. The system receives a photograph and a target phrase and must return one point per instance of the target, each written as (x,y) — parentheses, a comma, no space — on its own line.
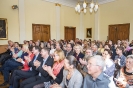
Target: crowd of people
(68,64)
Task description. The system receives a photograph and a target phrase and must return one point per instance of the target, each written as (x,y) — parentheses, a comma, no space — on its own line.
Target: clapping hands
(19,60)
(121,83)
(83,62)
(37,63)
(55,86)
(48,69)
(27,58)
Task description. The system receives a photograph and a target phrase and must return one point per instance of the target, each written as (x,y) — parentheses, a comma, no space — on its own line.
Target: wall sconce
(14,7)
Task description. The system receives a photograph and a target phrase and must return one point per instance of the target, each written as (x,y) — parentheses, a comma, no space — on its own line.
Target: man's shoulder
(105,78)
(50,60)
(39,57)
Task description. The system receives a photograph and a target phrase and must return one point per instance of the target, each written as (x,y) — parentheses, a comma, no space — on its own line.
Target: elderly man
(95,50)
(96,77)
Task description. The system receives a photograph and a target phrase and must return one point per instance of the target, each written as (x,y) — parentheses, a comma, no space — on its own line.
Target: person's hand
(45,67)
(83,62)
(27,58)
(14,55)
(50,70)
(37,63)
(12,49)
(121,83)
(80,60)
(19,60)
(55,86)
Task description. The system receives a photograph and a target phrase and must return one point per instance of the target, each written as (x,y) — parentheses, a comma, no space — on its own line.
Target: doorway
(40,32)
(119,32)
(70,33)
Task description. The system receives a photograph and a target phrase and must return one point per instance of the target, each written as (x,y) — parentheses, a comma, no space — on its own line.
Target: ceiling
(72,3)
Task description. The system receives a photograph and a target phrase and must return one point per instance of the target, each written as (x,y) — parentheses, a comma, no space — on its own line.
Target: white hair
(99,61)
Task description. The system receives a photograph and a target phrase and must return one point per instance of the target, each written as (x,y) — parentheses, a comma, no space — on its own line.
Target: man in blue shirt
(96,77)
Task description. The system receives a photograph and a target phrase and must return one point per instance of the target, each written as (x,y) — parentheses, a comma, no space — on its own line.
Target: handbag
(47,84)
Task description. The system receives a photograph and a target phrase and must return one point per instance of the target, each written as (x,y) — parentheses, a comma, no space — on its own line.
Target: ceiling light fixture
(92,6)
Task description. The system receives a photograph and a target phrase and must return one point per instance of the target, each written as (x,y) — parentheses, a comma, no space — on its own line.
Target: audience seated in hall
(68,64)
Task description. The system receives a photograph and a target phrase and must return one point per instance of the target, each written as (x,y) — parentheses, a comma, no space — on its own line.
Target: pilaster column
(81,28)
(21,12)
(57,21)
(96,37)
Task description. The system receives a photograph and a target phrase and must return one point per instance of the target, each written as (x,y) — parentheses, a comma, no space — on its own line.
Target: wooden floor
(1,81)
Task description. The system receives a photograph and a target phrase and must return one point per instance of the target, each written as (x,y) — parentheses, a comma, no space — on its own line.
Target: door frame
(70,27)
(42,24)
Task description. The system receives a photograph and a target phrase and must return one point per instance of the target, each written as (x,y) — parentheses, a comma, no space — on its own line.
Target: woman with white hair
(78,53)
(125,76)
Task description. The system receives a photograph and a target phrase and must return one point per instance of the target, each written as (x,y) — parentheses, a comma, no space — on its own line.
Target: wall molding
(72,3)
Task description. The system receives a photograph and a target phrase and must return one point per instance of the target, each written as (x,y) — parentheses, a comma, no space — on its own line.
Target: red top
(25,65)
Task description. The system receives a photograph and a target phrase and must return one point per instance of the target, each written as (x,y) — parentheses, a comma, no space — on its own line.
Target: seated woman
(125,76)
(24,62)
(100,49)
(56,72)
(109,67)
(78,53)
(72,78)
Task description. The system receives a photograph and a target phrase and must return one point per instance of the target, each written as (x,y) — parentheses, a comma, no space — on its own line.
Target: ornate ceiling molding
(72,3)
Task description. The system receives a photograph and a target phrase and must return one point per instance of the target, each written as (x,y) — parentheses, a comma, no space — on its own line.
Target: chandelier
(92,6)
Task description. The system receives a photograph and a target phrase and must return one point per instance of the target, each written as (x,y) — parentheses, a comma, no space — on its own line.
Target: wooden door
(70,33)
(40,32)
(123,31)
(45,32)
(113,33)
(119,31)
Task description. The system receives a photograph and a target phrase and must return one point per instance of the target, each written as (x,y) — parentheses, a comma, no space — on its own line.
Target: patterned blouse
(128,77)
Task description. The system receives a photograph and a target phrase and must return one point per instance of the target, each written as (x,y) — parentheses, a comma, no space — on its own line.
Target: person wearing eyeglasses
(95,77)
(125,76)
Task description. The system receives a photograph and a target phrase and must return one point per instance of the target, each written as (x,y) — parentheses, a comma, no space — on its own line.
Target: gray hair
(130,56)
(99,60)
(71,60)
